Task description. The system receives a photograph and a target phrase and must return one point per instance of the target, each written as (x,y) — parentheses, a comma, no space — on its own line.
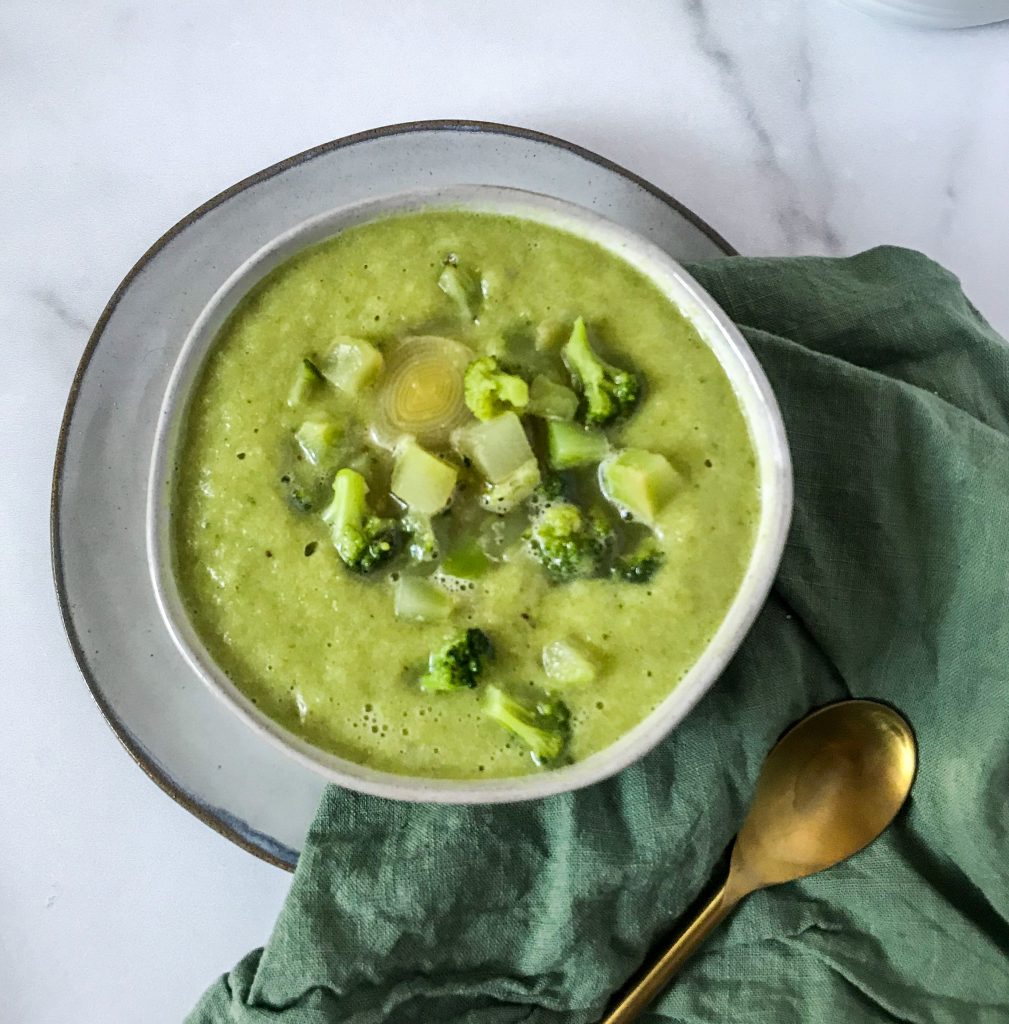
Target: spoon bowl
(828,788)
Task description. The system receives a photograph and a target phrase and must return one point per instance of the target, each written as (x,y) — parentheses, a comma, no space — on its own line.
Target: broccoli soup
(460,495)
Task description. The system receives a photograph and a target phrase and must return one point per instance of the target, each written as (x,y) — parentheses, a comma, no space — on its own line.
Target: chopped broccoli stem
(550,400)
(468,561)
(305,379)
(565,662)
(608,392)
(544,729)
(463,286)
(317,440)
(571,445)
(569,544)
(352,364)
(489,391)
(421,540)
(642,563)
(639,482)
(420,600)
(362,540)
(458,664)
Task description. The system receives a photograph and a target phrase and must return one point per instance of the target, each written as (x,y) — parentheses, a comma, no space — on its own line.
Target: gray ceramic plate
(177,731)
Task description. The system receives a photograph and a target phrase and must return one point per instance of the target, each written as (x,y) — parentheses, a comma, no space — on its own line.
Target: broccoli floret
(642,563)
(551,488)
(459,663)
(489,391)
(544,729)
(363,540)
(569,544)
(608,392)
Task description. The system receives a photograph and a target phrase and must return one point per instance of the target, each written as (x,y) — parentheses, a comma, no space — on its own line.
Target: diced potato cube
(317,439)
(551,334)
(464,287)
(305,379)
(352,364)
(566,662)
(502,497)
(639,482)
(419,600)
(551,400)
(498,447)
(422,480)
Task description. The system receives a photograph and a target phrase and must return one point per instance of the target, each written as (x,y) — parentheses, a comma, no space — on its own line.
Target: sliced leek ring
(421,394)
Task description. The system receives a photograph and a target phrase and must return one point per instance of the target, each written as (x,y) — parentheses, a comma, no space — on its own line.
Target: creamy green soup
(593,640)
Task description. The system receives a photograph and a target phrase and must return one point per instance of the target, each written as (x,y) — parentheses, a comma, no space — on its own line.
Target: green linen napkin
(895,584)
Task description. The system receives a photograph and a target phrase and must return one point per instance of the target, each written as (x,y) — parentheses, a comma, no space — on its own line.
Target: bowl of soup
(464,495)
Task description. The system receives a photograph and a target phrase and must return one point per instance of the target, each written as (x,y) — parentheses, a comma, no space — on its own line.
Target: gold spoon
(829,787)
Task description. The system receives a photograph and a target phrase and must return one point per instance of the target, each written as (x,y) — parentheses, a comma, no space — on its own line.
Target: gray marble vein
(51,302)
(797,222)
(822,173)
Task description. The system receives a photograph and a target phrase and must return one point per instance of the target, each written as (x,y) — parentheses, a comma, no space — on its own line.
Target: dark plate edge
(221,822)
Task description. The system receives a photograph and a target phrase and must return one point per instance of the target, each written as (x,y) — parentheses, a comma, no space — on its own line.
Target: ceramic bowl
(183,737)
(751,387)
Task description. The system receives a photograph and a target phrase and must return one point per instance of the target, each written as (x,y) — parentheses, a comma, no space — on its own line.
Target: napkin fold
(894,585)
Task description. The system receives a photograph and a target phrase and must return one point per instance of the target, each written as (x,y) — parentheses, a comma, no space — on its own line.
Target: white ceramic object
(737,360)
(936,13)
(194,747)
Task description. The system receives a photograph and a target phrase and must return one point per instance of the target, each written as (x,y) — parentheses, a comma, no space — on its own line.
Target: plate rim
(133,747)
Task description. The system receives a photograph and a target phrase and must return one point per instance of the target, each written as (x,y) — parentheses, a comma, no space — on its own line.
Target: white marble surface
(792,127)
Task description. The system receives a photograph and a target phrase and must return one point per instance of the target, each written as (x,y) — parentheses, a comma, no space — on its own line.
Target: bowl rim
(749,383)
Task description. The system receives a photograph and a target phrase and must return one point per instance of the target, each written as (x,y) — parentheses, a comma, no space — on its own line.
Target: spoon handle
(663,970)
